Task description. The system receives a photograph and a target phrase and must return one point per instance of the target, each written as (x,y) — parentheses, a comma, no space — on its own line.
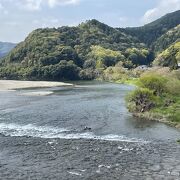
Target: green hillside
(85,51)
(149,33)
(70,52)
(169,57)
(167,39)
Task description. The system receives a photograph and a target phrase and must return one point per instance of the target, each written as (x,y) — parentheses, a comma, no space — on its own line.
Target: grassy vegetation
(157,96)
(132,81)
(119,74)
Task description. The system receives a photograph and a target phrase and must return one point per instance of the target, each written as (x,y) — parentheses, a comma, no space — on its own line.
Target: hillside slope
(149,33)
(49,43)
(61,53)
(167,39)
(169,57)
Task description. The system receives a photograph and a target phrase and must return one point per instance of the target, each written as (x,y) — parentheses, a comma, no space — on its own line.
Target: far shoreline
(8,85)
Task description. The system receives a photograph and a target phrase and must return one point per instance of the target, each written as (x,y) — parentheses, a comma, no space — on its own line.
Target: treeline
(65,64)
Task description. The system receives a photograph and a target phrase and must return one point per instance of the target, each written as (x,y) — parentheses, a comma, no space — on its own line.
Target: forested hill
(167,39)
(149,33)
(5,47)
(85,51)
(72,52)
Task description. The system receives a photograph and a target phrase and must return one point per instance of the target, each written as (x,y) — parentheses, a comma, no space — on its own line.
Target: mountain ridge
(5,47)
(161,25)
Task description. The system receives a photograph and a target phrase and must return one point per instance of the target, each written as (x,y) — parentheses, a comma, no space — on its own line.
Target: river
(82,132)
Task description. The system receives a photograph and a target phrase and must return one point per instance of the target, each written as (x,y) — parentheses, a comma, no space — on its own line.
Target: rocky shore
(35,158)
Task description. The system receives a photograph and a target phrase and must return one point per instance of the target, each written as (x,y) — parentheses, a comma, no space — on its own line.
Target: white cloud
(35,5)
(164,7)
(3,10)
(31,5)
(53,3)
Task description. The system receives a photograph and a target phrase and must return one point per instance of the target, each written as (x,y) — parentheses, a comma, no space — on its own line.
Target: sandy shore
(38,93)
(12,85)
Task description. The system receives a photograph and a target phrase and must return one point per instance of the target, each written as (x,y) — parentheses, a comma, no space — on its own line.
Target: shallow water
(91,110)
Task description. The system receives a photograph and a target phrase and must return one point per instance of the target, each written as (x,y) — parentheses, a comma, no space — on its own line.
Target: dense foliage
(149,33)
(105,57)
(167,39)
(158,96)
(170,57)
(154,83)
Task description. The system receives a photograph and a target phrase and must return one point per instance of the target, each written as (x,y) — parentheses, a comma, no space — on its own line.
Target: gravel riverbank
(36,158)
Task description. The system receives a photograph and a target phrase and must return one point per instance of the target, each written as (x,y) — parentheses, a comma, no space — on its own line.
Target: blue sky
(19,17)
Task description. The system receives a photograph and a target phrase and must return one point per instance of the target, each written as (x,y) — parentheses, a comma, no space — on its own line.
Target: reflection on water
(142,123)
(100,107)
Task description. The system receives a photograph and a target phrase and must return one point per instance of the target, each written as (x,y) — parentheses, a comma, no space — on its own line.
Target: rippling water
(90,110)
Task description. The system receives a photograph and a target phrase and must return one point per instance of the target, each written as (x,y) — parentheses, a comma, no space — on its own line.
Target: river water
(41,133)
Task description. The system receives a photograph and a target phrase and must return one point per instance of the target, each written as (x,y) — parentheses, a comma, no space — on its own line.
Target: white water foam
(29,130)
(74,173)
(62,133)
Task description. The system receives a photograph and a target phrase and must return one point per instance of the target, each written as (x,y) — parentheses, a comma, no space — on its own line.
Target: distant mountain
(84,51)
(5,48)
(149,33)
(167,39)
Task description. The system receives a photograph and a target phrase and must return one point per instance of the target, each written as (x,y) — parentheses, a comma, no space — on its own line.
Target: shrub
(173,86)
(141,100)
(154,82)
(175,74)
(115,74)
(88,74)
(175,117)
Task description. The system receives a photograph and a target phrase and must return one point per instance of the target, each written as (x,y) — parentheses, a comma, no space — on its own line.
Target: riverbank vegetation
(157,96)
